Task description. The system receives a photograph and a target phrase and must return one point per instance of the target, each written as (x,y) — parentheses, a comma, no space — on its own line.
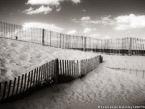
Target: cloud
(104,20)
(51,27)
(44,2)
(76,1)
(123,22)
(50,2)
(28,10)
(50,5)
(86,30)
(129,22)
(41,9)
(74,20)
(85,18)
(71,32)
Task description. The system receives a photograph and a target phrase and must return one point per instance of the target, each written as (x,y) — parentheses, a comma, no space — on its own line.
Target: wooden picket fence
(136,72)
(53,72)
(35,78)
(128,45)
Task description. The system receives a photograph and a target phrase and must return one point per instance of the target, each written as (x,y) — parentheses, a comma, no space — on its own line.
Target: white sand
(17,58)
(130,62)
(103,86)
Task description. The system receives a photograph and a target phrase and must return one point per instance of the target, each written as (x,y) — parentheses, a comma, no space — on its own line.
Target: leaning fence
(126,45)
(136,72)
(55,71)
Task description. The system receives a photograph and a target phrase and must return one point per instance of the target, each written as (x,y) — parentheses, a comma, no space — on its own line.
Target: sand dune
(17,58)
(101,87)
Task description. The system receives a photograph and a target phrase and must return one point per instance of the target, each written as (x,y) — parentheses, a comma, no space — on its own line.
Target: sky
(92,18)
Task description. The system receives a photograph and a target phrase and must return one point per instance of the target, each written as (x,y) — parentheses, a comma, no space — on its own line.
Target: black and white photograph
(72,54)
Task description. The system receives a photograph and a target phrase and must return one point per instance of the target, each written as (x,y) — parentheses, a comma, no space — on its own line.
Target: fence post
(84,48)
(4,91)
(9,88)
(21,85)
(43,34)
(100,59)
(56,71)
(130,45)
(18,82)
(0,90)
(60,41)
(25,80)
(14,85)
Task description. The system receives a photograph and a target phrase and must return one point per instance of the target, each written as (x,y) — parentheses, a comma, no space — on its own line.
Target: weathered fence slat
(49,70)
(63,66)
(28,81)
(21,86)
(59,64)
(18,82)
(57,69)
(71,67)
(25,82)
(0,90)
(14,85)
(40,74)
(45,70)
(35,74)
(4,91)
(9,88)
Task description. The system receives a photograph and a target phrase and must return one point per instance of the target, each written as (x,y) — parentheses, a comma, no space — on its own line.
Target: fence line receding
(55,71)
(126,45)
(136,72)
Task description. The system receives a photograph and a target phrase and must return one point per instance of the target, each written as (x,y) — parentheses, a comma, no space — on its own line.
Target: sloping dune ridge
(17,57)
